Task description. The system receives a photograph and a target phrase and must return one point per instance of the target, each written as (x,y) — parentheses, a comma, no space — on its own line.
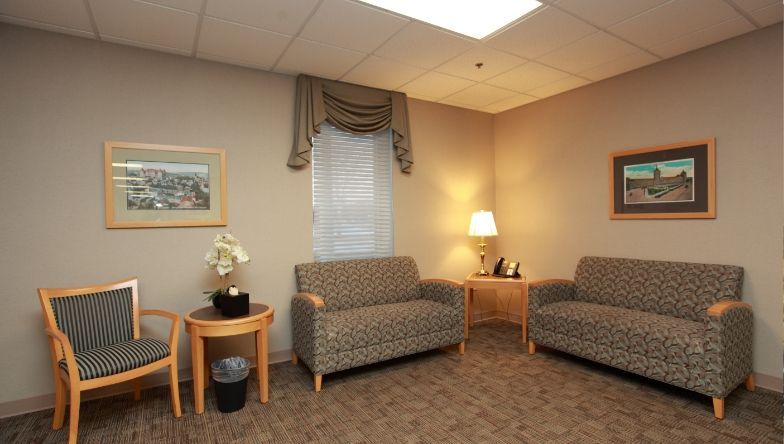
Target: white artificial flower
(225,251)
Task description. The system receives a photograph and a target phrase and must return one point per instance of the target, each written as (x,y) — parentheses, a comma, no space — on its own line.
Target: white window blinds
(352,195)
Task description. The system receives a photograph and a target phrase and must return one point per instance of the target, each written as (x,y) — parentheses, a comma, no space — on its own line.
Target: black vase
(216,301)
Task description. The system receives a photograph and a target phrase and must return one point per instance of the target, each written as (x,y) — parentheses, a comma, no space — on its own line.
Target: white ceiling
(562,45)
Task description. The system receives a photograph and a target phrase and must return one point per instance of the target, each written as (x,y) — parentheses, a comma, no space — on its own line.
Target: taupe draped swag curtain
(351,108)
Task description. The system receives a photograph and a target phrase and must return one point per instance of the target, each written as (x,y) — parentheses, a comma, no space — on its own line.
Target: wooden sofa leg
(461,348)
(531,347)
(317,382)
(718,408)
(750,383)
(294,358)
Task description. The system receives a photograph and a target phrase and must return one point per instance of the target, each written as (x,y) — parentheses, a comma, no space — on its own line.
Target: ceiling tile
(382,73)
(242,43)
(40,25)
(480,95)
(435,85)
(145,23)
(457,104)
(318,59)
(283,16)
(558,87)
(350,25)
(619,66)
(493,63)
(588,52)
(753,5)
(422,45)
(509,103)
(122,41)
(769,15)
(186,5)
(672,20)
(65,13)
(541,33)
(527,77)
(604,13)
(705,37)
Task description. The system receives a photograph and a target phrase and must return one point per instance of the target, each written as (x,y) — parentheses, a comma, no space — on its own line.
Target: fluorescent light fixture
(474,18)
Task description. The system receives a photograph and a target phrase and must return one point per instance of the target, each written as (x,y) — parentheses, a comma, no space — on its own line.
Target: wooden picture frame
(675,181)
(150,185)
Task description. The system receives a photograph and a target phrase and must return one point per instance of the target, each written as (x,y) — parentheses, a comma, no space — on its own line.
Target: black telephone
(504,268)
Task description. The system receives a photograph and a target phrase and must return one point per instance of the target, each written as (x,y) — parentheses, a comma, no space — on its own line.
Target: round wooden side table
(208,322)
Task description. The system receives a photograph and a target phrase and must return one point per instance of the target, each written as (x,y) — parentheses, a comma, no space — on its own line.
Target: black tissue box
(234,306)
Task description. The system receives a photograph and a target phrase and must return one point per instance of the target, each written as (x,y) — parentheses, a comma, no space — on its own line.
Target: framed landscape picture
(675,181)
(163,186)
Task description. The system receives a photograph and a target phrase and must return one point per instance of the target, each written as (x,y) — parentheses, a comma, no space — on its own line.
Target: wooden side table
(476,282)
(208,322)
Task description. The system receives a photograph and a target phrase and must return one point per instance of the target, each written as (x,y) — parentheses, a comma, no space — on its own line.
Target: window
(352,195)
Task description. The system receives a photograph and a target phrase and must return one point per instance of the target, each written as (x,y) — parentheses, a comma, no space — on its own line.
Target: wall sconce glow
(474,18)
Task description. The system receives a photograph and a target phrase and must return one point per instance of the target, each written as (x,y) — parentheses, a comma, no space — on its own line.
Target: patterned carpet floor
(494,393)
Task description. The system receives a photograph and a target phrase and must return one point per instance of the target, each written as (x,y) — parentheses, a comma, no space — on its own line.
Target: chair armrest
(56,335)
(174,331)
(307,319)
(549,291)
(446,291)
(728,344)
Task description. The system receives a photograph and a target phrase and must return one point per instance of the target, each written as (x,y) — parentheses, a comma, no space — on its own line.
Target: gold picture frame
(675,181)
(151,185)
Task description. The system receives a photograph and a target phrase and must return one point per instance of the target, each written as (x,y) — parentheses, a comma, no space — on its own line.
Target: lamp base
(483,273)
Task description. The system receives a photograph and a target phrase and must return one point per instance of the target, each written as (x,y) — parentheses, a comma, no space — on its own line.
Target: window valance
(351,108)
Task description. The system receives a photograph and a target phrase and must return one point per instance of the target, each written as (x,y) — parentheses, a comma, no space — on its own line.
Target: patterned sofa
(680,323)
(357,312)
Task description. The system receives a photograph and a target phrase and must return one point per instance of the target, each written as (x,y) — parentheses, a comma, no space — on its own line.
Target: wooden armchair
(94,342)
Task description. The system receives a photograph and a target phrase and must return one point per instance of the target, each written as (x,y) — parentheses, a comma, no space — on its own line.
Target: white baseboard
(157,379)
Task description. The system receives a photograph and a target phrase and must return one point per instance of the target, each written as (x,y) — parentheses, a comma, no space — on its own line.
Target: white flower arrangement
(225,251)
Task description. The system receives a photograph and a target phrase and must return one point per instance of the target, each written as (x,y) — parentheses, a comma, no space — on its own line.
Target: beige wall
(551,171)
(61,97)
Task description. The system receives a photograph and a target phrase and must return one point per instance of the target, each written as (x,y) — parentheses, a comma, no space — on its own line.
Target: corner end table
(208,322)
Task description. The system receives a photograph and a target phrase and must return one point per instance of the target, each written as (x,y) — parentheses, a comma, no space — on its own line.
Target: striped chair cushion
(118,358)
(95,320)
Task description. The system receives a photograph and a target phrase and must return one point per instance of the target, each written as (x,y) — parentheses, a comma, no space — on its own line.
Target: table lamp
(482,224)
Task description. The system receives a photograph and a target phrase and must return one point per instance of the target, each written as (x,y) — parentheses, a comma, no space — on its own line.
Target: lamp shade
(482,224)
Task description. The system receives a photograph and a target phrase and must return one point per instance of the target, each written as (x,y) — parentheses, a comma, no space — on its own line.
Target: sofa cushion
(638,335)
(681,289)
(359,283)
(377,324)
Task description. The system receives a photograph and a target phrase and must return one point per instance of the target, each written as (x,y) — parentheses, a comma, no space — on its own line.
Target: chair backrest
(95,316)
(680,289)
(361,282)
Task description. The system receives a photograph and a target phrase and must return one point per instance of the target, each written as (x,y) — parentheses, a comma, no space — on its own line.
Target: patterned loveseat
(680,323)
(357,312)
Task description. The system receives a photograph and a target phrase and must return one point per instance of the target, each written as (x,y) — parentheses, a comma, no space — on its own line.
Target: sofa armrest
(549,291)
(728,345)
(445,291)
(307,316)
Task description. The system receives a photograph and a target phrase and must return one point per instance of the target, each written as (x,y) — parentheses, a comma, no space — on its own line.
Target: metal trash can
(231,382)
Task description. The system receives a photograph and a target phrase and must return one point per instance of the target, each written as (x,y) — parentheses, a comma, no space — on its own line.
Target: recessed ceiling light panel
(473,18)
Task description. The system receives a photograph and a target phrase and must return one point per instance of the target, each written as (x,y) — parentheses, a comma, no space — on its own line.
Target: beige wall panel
(61,97)
(552,178)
